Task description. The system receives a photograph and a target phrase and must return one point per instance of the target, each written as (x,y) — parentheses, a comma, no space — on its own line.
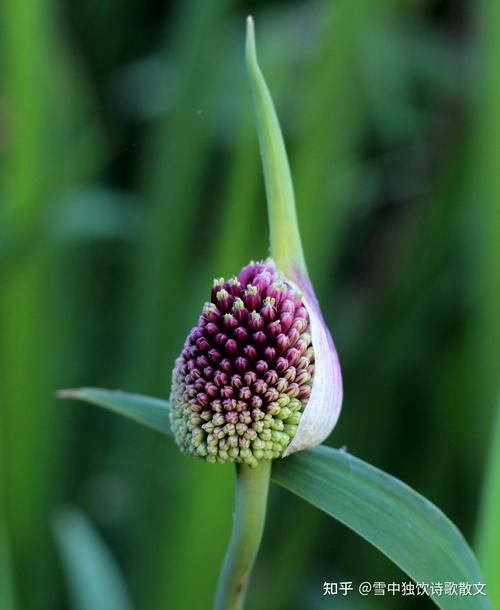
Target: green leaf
(397,520)
(145,410)
(94,580)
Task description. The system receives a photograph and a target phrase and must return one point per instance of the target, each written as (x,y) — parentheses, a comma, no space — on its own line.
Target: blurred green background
(130,177)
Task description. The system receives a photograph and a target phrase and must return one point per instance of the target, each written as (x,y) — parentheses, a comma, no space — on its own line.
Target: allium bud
(246,373)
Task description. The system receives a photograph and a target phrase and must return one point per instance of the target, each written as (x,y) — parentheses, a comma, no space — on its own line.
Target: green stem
(249,520)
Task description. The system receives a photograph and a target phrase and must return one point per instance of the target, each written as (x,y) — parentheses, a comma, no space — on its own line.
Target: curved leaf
(146,410)
(397,520)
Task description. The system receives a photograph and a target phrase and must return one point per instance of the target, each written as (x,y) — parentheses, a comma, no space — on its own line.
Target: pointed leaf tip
(286,246)
(250,41)
(66,393)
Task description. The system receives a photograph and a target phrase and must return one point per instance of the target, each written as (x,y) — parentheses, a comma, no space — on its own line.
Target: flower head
(245,374)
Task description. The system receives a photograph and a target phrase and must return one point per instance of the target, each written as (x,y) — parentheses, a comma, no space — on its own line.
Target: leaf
(151,412)
(397,520)
(94,580)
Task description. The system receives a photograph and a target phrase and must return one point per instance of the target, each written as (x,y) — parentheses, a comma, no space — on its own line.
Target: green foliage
(401,523)
(144,410)
(489,530)
(6,584)
(93,578)
(485,179)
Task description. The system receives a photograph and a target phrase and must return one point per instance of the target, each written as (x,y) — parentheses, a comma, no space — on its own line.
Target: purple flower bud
(246,391)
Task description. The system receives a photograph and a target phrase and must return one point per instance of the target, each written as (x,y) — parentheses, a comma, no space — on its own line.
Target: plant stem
(252,485)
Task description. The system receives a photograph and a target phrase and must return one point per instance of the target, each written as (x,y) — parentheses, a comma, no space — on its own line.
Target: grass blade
(145,410)
(489,524)
(485,178)
(94,580)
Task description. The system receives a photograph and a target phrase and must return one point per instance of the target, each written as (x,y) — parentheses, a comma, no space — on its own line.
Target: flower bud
(242,383)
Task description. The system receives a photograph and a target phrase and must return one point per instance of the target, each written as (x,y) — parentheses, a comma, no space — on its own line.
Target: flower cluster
(245,373)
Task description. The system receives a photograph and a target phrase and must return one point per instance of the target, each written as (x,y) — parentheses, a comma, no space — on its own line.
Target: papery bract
(324,404)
